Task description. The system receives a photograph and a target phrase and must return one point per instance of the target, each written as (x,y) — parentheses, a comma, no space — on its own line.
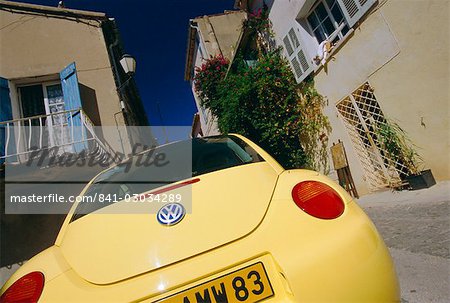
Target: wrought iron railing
(68,131)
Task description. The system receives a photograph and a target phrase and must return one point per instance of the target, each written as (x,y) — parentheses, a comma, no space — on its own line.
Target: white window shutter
(296,68)
(297,56)
(354,9)
(288,46)
(294,38)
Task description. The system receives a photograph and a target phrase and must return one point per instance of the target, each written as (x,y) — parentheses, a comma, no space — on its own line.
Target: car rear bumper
(306,260)
(341,261)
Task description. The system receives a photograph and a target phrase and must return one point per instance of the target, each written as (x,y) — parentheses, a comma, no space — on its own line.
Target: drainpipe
(119,84)
(112,58)
(194,25)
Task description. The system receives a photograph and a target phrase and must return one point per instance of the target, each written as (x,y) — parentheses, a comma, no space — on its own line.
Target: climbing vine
(263,101)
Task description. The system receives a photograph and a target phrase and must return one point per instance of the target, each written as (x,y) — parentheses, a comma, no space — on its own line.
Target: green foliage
(208,76)
(400,149)
(258,22)
(264,103)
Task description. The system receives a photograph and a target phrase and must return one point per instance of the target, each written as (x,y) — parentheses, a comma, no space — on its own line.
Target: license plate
(249,284)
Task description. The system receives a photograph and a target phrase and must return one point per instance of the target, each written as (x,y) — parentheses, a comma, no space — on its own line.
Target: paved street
(416,228)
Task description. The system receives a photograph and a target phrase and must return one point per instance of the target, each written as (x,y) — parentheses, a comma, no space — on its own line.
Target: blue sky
(155,33)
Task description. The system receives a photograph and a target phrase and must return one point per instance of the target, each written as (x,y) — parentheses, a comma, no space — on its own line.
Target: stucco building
(377,63)
(61,85)
(59,70)
(210,36)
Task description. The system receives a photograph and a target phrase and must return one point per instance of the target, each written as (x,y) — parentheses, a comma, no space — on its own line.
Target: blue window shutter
(72,101)
(71,91)
(5,114)
(5,101)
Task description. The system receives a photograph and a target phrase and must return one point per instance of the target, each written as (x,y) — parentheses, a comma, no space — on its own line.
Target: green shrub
(264,102)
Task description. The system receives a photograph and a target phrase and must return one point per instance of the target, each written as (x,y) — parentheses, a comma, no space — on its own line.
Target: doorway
(41,103)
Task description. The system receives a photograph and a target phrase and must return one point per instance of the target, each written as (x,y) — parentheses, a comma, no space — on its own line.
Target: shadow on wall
(90,104)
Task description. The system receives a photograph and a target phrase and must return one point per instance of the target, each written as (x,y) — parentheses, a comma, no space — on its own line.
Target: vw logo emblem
(171,214)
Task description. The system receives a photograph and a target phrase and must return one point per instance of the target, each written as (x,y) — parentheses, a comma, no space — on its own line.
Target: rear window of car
(171,163)
(216,153)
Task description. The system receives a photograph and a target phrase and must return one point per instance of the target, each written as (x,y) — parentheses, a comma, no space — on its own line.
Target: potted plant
(402,156)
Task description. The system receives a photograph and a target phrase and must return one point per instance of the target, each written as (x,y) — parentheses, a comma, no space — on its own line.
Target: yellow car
(236,228)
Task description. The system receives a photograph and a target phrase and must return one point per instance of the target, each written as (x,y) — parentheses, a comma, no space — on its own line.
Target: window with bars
(363,119)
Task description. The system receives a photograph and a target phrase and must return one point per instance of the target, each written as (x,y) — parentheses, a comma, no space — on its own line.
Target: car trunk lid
(226,205)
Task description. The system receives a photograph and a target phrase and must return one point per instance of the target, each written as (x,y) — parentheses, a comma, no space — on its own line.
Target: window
(363,119)
(47,113)
(183,160)
(32,101)
(327,21)
(205,114)
(42,99)
(54,99)
(44,105)
(200,46)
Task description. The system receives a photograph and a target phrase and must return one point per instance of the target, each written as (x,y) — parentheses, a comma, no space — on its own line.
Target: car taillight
(318,199)
(27,289)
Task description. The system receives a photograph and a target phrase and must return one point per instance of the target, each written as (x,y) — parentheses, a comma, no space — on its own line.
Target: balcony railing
(68,131)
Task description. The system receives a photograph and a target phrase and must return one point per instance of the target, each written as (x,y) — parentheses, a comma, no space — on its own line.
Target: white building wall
(216,34)
(401,48)
(207,120)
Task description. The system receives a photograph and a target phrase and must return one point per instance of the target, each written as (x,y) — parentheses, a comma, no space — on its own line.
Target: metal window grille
(363,117)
